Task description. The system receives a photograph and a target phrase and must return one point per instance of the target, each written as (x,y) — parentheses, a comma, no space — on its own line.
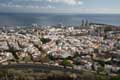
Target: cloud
(48,7)
(11,5)
(28,0)
(69,2)
(40,3)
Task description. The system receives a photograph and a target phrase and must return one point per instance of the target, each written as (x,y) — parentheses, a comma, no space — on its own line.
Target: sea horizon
(73,19)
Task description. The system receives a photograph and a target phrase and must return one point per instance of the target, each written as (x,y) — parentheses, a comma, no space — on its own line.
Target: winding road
(38,67)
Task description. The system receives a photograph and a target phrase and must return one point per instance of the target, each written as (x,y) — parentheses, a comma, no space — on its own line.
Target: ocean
(27,19)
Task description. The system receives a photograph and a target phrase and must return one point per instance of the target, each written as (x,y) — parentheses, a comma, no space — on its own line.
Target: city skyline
(60,6)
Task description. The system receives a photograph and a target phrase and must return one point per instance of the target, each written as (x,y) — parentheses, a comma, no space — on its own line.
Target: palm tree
(13,50)
(43,56)
(38,47)
(21,46)
(29,54)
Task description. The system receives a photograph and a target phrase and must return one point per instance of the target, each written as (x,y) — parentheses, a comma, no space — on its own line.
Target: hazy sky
(60,6)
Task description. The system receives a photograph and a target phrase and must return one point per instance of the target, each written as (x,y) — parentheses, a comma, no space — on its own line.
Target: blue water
(51,19)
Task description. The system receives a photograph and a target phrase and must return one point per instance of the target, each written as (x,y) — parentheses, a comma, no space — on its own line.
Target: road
(38,67)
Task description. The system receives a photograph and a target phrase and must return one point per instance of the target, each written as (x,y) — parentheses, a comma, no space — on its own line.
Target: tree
(27,59)
(13,74)
(115,78)
(77,61)
(45,40)
(44,58)
(66,63)
(87,76)
(13,50)
(100,69)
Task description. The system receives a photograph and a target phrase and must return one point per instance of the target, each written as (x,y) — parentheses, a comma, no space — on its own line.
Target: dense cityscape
(90,47)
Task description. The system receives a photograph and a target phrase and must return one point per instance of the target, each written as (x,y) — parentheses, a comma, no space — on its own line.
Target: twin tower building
(85,23)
